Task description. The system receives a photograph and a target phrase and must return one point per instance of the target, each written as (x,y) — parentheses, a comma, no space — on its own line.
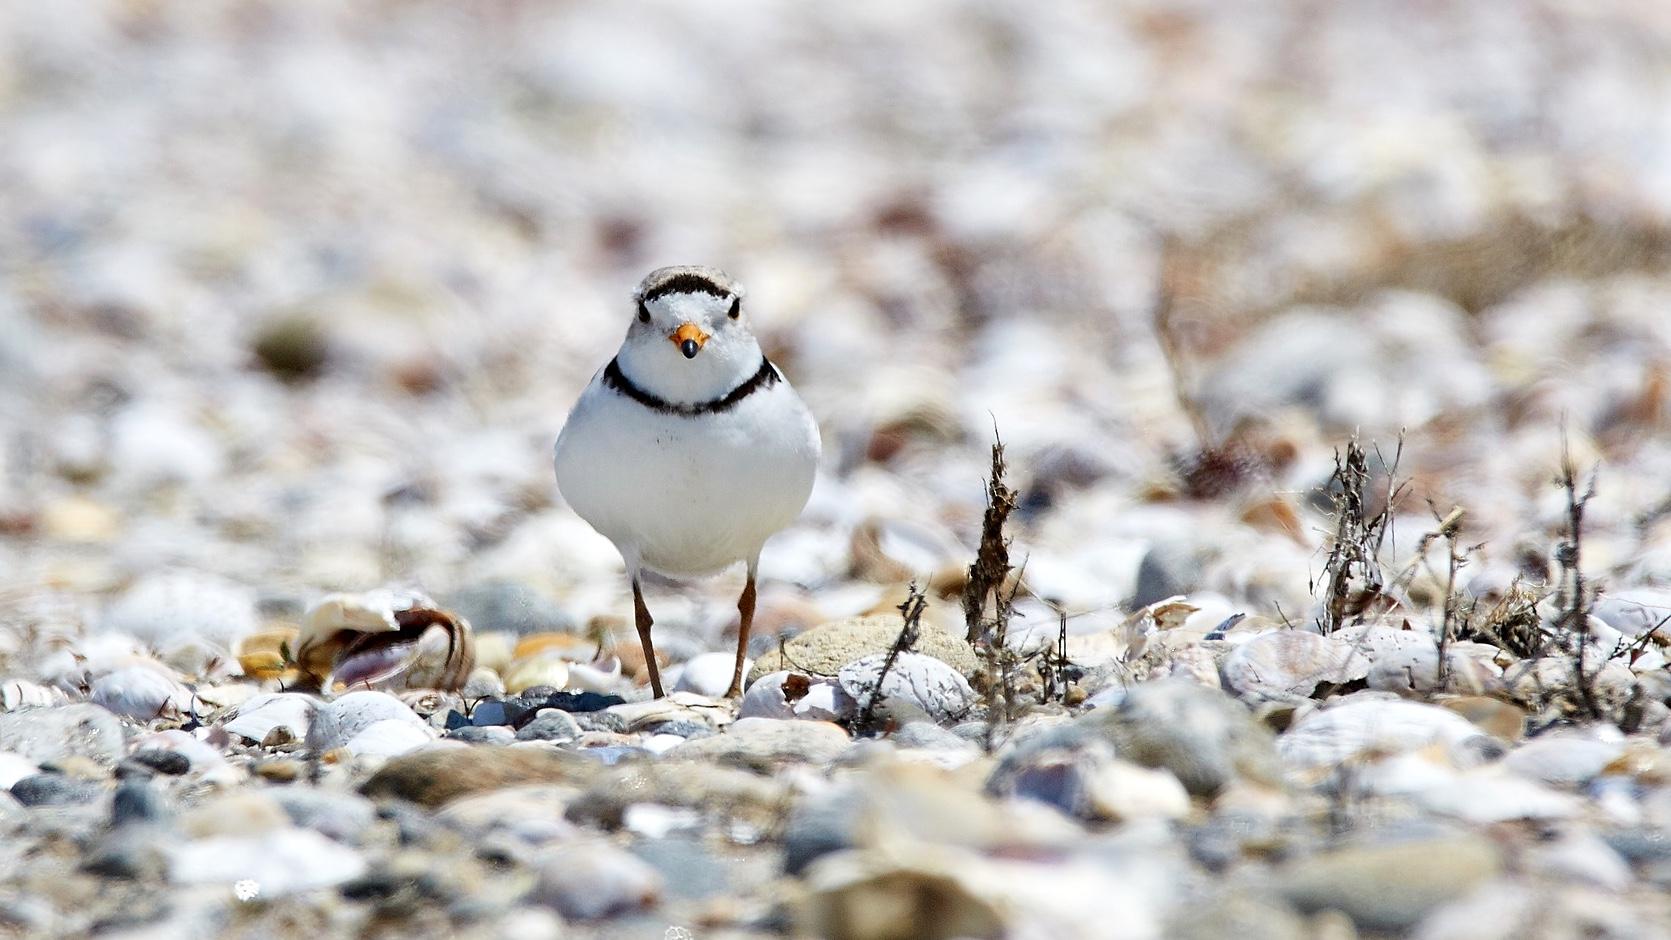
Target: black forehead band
(685,284)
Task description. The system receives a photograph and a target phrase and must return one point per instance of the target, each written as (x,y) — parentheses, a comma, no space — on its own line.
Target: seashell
(20,693)
(601,675)
(547,668)
(913,678)
(142,691)
(266,655)
(384,639)
(1284,664)
(793,695)
(273,718)
(339,723)
(573,648)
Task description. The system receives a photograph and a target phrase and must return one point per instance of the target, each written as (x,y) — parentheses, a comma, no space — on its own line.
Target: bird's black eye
(736,308)
(643,313)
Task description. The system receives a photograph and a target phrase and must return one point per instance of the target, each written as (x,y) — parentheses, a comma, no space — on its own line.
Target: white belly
(687,496)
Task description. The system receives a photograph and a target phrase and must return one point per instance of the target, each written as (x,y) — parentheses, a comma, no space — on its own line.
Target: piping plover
(689,449)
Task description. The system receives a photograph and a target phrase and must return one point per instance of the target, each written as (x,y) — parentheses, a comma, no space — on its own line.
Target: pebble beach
(1328,349)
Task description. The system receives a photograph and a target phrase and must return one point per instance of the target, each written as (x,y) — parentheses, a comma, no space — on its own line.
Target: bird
(688,449)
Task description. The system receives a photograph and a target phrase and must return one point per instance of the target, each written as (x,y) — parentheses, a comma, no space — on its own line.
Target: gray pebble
(494,734)
(342,815)
(550,724)
(54,790)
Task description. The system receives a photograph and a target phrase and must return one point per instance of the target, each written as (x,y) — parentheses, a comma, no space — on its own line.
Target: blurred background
(295,296)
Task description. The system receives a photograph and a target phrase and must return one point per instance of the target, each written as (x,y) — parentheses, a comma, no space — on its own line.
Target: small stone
(494,734)
(283,770)
(137,801)
(587,881)
(1204,737)
(171,763)
(489,713)
(436,776)
(54,790)
(342,816)
(916,681)
(1389,887)
(43,734)
(238,813)
(550,725)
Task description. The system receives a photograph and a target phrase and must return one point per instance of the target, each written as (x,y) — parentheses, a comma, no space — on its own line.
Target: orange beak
(689,338)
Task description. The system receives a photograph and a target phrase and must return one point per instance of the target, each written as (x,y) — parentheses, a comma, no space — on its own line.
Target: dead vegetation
(1354,586)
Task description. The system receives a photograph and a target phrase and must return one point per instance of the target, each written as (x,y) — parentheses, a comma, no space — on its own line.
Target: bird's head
(690,333)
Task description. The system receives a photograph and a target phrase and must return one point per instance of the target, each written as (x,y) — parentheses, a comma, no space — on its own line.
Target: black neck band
(764,377)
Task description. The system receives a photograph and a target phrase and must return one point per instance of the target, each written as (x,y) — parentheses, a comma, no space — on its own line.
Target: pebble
(550,724)
(44,734)
(54,790)
(1204,737)
(1389,887)
(920,683)
(137,801)
(435,777)
(587,881)
(170,763)
(497,734)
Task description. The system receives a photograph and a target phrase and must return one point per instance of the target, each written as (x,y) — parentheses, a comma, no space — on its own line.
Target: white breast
(687,496)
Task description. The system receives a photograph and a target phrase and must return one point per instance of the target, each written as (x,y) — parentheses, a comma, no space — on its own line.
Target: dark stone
(137,801)
(489,713)
(172,763)
(575,701)
(456,720)
(54,790)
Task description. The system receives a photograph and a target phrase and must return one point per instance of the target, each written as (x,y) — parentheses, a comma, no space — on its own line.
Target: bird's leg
(642,615)
(745,607)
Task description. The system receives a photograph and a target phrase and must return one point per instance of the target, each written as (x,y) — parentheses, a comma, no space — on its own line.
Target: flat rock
(437,776)
(1389,887)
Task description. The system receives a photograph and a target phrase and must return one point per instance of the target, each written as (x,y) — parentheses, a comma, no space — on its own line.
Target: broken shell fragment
(384,639)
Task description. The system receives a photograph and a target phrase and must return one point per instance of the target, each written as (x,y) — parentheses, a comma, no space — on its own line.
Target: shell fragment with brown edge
(383,639)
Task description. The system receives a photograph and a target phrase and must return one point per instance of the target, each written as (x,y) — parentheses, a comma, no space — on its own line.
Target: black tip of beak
(689,348)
